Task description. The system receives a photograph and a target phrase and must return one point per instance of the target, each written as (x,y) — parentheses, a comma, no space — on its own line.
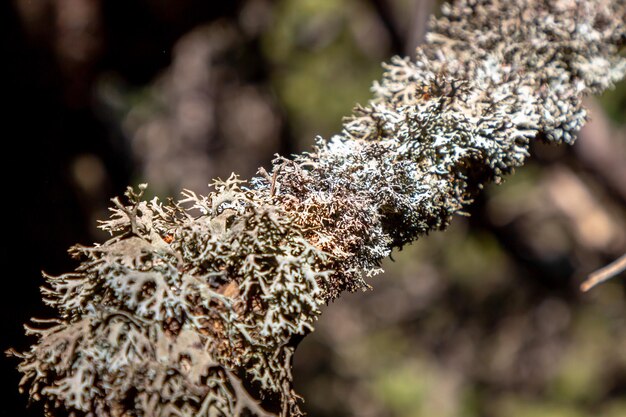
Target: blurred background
(485,319)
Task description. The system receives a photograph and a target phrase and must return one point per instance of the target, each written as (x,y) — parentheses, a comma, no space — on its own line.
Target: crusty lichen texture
(193,307)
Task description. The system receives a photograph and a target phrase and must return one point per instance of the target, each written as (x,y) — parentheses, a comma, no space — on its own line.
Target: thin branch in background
(422,10)
(385,13)
(602,148)
(604,274)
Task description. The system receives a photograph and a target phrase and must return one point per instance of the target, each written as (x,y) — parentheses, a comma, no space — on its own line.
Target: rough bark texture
(192,308)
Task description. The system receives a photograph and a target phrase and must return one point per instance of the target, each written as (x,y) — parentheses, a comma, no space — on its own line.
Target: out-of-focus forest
(485,319)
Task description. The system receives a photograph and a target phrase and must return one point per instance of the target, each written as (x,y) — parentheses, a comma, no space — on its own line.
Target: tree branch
(221,284)
(604,274)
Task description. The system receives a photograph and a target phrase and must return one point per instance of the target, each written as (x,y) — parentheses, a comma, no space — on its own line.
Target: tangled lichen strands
(164,313)
(458,117)
(193,307)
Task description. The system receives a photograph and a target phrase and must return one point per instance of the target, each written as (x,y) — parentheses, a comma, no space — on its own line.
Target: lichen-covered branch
(193,307)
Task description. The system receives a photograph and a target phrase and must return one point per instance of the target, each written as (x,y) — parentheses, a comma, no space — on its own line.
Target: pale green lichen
(193,308)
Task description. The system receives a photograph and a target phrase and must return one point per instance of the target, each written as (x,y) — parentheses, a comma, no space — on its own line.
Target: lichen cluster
(194,307)
(165,314)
